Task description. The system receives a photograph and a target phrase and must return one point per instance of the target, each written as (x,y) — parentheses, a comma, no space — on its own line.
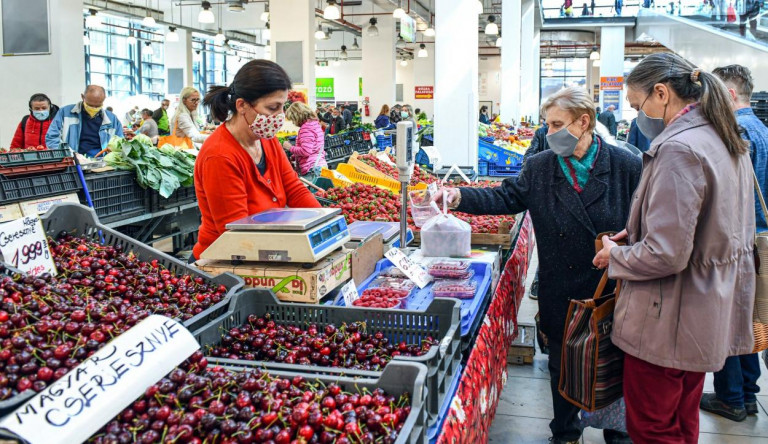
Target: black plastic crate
(441,321)
(397,379)
(22,158)
(334,141)
(16,189)
(116,194)
(182,196)
(338,152)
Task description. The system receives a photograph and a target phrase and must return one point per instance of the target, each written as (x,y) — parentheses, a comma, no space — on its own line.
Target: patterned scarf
(577,171)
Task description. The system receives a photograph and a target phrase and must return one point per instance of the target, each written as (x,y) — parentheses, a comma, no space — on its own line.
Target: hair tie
(695,75)
(232,90)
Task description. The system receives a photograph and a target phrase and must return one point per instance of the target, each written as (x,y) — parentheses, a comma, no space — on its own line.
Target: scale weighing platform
(390,232)
(303,235)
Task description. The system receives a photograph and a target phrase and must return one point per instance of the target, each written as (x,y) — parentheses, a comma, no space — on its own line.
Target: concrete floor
(525,408)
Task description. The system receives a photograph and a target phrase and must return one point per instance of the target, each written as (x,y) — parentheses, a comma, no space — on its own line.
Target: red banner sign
(425,92)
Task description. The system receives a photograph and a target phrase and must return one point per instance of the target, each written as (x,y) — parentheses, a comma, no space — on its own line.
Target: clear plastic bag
(421,210)
(446,236)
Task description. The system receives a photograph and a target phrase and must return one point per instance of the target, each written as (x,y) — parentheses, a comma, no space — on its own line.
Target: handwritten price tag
(349,293)
(94,392)
(24,245)
(414,271)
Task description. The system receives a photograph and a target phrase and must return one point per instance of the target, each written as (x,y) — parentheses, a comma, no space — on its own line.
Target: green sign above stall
(324,88)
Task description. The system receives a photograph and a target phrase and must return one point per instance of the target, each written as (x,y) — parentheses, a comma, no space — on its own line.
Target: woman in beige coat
(688,270)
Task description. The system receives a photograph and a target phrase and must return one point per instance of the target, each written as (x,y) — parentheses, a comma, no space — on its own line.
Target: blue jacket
(757,134)
(382,122)
(637,138)
(65,128)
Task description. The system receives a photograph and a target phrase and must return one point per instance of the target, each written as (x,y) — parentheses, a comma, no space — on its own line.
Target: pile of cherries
(49,325)
(195,404)
(348,346)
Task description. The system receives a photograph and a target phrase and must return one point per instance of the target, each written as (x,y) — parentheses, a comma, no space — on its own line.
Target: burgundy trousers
(662,403)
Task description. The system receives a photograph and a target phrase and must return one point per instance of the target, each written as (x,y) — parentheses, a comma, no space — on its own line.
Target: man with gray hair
(608,119)
(85,127)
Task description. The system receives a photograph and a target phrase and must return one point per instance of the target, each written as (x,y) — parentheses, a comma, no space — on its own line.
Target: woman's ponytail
(716,107)
(219,100)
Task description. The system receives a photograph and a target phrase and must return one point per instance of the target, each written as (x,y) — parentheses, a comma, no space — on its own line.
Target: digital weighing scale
(303,235)
(361,230)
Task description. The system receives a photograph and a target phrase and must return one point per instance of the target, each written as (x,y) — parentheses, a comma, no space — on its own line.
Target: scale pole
(403,214)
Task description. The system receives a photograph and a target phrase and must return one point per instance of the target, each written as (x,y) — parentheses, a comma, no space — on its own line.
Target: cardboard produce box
(290,282)
(10,212)
(41,206)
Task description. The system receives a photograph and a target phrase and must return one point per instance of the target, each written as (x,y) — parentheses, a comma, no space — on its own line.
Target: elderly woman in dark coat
(577,189)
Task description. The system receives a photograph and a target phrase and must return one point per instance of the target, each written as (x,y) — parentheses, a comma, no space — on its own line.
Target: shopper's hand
(603,256)
(619,236)
(287,145)
(452,197)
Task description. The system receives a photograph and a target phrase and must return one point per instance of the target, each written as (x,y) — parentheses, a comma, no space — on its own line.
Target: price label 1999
(23,244)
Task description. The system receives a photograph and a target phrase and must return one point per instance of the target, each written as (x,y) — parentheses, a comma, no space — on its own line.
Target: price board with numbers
(23,245)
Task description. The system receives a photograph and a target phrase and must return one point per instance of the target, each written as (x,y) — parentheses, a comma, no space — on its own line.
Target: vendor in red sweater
(242,169)
(32,128)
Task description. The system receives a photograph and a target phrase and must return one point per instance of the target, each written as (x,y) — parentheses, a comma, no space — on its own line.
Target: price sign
(414,271)
(349,293)
(77,405)
(24,245)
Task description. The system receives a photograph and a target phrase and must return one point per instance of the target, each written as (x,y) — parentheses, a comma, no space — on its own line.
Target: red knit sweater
(229,187)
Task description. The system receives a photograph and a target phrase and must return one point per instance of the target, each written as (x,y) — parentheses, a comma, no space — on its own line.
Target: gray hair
(575,101)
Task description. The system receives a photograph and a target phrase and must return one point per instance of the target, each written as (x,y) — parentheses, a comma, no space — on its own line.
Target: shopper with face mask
(85,127)
(242,169)
(579,187)
(688,272)
(32,128)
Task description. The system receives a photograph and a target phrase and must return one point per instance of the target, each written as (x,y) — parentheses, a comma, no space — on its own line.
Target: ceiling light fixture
(498,41)
(400,43)
(429,32)
(404,62)
(172,35)
(399,12)
(93,20)
(265,15)
(319,34)
(148,21)
(236,6)
(373,31)
(423,51)
(343,54)
(480,7)
(131,40)
(148,48)
(86,40)
(331,12)
(594,55)
(491,28)
(355,45)
(206,15)
(267,33)
(220,37)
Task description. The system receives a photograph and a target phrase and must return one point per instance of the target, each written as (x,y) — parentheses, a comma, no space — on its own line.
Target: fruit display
(347,346)
(366,202)
(454,288)
(195,404)
(390,170)
(381,297)
(391,282)
(48,325)
(21,150)
(525,132)
(296,96)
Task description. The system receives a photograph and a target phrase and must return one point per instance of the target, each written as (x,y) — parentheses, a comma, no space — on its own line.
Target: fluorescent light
(373,31)
(491,28)
(93,20)
(172,35)
(206,15)
(429,32)
(148,48)
(331,12)
(319,34)
(498,42)
(86,40)
(149,21)
(398,13)
(404,62)
(423,51)
(131,39)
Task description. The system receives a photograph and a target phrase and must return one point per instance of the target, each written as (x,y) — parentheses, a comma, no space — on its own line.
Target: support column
(529,51)
(293,21)
(423,75)
(379,66)
(178,55)
(60,74)
(612,65)
(510,61)
(456,94)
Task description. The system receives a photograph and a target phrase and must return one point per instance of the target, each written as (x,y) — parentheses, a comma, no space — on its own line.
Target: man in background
(608,119)
(160,116)
(148,126)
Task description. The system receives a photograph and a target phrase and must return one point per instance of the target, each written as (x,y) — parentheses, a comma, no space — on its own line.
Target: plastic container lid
(454,269)
(459,288)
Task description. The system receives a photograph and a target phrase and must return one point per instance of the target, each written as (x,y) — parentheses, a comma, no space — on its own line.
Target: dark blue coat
(566,223)
(637,138)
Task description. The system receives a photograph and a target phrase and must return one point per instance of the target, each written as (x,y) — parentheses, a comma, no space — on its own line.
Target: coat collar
(597,185)
(692,119)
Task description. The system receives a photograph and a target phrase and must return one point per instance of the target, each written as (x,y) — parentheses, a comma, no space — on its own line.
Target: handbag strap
(603,282)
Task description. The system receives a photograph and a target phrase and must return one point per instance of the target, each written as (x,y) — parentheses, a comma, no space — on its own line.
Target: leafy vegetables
(164,169)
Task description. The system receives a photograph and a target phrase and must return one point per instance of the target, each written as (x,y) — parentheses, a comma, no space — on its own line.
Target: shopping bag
(613,417)
(173,139)
(760,311)
(445,235)
(731,13)
(591,366)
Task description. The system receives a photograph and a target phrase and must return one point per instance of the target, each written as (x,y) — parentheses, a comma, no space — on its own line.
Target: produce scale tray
(440,321)
(396,379)
(421,299)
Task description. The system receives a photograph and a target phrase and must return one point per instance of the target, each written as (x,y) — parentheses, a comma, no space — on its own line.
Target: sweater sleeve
(307,142)
(18,138)
(509,198)
(297,195)
(189,129)
(225,187)
(674,200)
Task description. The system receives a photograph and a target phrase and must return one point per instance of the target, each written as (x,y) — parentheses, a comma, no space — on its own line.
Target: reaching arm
(509,198)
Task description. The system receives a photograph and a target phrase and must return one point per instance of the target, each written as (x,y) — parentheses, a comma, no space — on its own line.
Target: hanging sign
(80,403)
(425,92)
(324,88)
(611,83)
(611,98)
(408,28)
(23,244)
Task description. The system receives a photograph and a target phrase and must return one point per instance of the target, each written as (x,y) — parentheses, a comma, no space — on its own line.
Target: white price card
(349,293)
(414,271)
(24,245)
(90,395)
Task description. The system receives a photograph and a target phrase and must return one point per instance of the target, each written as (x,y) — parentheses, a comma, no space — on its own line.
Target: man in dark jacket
(32,128)
(346,114)
(636,137)
(394,115)
(609,120)
(160,116)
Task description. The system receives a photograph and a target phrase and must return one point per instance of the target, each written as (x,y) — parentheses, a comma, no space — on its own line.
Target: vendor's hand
(603,256)
(287,145)
(452,195)
(619,236)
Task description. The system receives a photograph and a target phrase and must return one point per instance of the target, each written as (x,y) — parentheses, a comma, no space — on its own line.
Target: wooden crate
(503,238)
(522,350)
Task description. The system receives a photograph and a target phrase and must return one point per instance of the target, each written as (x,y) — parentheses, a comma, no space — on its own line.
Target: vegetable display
(165,169)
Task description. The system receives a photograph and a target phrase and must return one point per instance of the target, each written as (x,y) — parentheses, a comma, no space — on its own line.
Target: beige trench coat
(689,269)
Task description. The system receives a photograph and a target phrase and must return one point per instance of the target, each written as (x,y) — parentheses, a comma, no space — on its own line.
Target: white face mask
(563,143)
(265,127)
